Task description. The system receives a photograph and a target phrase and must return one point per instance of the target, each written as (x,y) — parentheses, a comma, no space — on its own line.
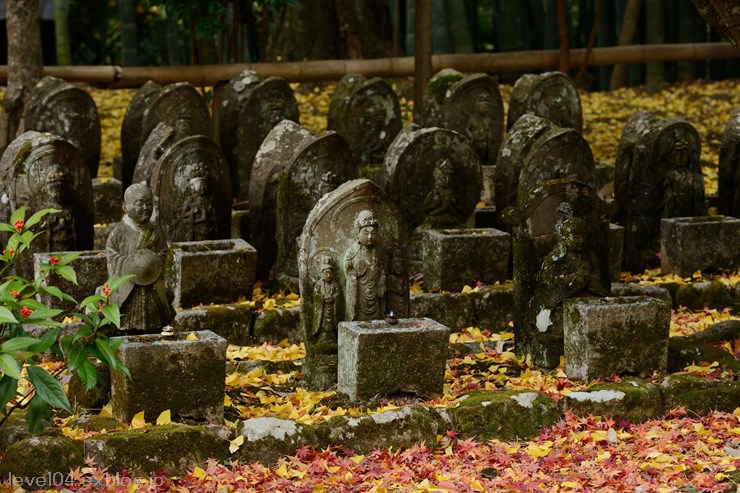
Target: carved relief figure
(198,206)
(327,183)
(684,190)
(397,287)
(136,247)
(440,204)
(325,295)
(365,271)
(480,126)
(58,228)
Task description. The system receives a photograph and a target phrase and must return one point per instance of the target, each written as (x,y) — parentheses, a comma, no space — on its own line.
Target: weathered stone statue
(325,295)
(440,204)
(58,228)
(365,271)
(136,246)
(551,95)
(198,207)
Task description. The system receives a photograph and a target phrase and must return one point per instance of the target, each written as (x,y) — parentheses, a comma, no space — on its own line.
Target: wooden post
(564,63)
(422,54)
(626,37)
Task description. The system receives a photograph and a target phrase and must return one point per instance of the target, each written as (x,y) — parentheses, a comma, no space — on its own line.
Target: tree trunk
(61,32)
(626,37)
(723,16)
(25,65)
(564,65)
(127,13)
(422,54)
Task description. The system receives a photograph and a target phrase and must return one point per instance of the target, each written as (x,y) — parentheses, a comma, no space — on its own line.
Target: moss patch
(632,398)
(700,395)
(39,457)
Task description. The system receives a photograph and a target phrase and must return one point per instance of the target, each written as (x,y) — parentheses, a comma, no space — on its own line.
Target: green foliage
(20,354)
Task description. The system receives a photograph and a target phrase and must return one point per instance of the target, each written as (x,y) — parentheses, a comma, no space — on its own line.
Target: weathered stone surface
(658,175)
(173,449)
(700,395)
(250,109)
(352,266)
(560,250)
(455,310)
(634,399)
(91,268)
(504,414)
(698,295)
(616,250)
(107,197)
(60,108)
(620,289)
(101,233)
(319,165)
(41,462)
(94,398)
(191,182)
(204,272)
(41,170)
(131,128)
(367,114)
(729,161)
(703,243)
(434,95)
(14,430)
(551,95)
(395,428)
(278,324)
(180,106)
(171,372)
(95,422)
(452,257)
(615,335)
(381,359)
(494,307)
(410,163)
(233,322)
(685,351)
(161,138)
(267,439)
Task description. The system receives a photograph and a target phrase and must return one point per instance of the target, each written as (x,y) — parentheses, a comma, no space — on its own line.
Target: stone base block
(173,372)
(379,359)
(91,268)
(215,271)
(456,257)
(604,336)
(706,243)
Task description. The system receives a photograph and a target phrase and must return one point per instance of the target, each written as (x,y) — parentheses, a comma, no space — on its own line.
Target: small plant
(20,354)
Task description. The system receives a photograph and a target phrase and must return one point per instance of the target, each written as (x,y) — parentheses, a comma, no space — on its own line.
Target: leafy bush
(20,354)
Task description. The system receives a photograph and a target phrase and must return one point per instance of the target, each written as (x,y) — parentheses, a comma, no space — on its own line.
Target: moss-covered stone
(698,295)
(455,310)
(267,439)
(699,395)
(683,351)
(494,307)
(278,324)
(172,448)
(233,322)
(396,428)
(41,458)
(631,289)
(441,82)
(504,414)
(94,422)
(632,398)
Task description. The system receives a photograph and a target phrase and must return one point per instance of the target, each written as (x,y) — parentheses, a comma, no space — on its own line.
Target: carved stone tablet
(191,185)
(159,140)
(131,129)
(638,124)
(180,106)
(58,107)
(366,113)
(551,95)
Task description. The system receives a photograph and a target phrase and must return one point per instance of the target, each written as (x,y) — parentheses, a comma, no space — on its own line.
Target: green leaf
(67,272)
(7,317)
(116,282)
(7,228)
(47,340)
(8,389)
(88,374)
(76,358)
(12,345)
(38,410)
(108,356)
(19,213)
(68,257)
(37,217)
(42,314)
(91,302)
(48,387)
(112,314)
(9,366)
(57,293)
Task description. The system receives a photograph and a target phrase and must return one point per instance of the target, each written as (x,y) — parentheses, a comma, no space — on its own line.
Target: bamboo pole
(333,70)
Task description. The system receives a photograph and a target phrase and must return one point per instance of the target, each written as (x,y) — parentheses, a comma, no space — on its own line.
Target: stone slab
(704,243)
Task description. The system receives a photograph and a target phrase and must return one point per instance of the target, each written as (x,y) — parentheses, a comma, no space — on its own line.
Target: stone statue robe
(365,278)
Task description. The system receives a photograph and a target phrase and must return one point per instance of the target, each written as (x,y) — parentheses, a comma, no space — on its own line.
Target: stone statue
(198,206)
(480,127)
(328,182)
(136,246)
(325,295)
(398,288)
(440,204)
(58,229)
(365,271)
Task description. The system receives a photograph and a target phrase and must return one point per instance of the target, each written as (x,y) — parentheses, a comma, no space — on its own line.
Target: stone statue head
(326,268)
(366,226)
(443,172)
(56,185)
(327,183)
(483,102)
(198,182)
(137,203)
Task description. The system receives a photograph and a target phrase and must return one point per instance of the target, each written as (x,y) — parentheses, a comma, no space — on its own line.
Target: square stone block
(171,372)
(456,257)
(91,268)
(214,271)
(380,359)
(702,243)
(627,335)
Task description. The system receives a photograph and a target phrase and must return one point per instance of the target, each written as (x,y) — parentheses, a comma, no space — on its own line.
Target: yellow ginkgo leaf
(164,418)
(236,443)
(191,336)
(138,420)
(107,411)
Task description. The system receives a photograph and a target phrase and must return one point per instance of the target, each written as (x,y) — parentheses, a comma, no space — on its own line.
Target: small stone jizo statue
(198,206)
(325,295)
(365,271)
(136,247)
(440,203)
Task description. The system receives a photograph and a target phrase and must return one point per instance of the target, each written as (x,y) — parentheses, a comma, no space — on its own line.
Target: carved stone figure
(136,246)
(325,295)
(198,207)
(365,271)
(551,95)
(440,204)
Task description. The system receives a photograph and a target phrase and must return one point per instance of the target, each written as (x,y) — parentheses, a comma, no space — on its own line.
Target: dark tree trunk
(564,64)
(127,13)
(723,16)
(25,65)
(626,37)
(423,54)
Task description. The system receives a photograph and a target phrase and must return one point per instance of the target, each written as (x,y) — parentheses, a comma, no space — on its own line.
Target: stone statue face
(483,104)
(55,185)
(327,274)
(138,206)
(199,186)
(367,236)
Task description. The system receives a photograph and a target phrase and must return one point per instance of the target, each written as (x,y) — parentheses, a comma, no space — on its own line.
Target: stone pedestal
(214,271)
(456,257)
(172,372)
(380,359)
(604,336)
(690,244)
(91,268)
